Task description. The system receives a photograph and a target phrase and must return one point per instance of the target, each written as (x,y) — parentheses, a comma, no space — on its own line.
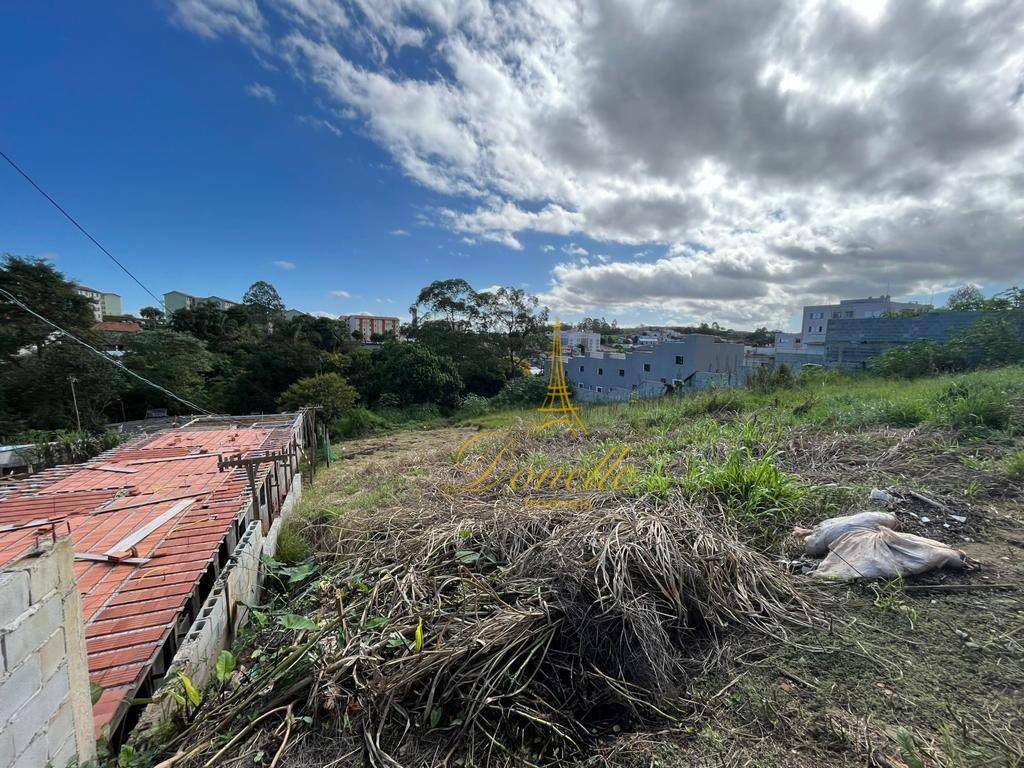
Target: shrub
(920,358)
(292,546)
(359,422)
(413,373)
(522,392)
(767,379)
(473,406)
(972,405)
(330,391)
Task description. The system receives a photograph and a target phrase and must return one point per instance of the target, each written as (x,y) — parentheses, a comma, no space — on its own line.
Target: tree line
(251,358)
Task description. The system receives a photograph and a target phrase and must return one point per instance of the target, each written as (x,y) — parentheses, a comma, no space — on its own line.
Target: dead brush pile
(474,631)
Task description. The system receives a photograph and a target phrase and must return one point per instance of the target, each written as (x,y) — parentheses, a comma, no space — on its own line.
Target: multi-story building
(585,342)
(371,325)
(176,300)
(816,317)
(104,303)
(694,362)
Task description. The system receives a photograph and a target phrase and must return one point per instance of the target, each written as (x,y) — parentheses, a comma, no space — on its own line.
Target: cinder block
(42,575)
(56,690)
(63,754)
(52,654)
(60,732)
(30,721)
(13,596)
(6,747)
(19,686)
(33,628)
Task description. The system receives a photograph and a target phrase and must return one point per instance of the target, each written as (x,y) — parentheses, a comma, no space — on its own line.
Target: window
(820,328)
(849,314)
(622,371)
(677,382)
(599,389)
(663,381)
(647,367)
(679,359)
(810,329)
(581,369)
(600,371)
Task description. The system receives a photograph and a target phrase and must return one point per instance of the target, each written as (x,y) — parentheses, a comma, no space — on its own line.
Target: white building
(586,342)
(103,302)
(816,317)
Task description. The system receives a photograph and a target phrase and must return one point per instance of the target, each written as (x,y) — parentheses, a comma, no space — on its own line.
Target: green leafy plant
(225,666)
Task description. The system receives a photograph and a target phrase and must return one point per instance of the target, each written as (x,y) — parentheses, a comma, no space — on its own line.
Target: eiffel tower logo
(557,407)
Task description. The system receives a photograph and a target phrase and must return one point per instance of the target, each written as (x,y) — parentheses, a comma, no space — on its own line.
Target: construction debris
(819,539)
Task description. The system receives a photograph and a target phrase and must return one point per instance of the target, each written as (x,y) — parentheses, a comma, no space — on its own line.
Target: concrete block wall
(45,704)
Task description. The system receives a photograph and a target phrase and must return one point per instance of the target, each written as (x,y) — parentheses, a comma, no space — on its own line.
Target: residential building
(116,334)
(104,303)
(816,317)
(585,342)
(369,326)
(694,362)
(176,300)
(291,314)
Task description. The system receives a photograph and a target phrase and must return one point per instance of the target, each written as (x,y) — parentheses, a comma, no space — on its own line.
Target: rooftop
(152,523)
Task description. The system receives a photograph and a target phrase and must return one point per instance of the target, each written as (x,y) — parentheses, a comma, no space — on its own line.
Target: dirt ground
(926,673)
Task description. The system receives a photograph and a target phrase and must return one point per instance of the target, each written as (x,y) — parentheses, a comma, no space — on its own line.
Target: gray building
(852,342)
(816,317)
(104,303)
(176,300)
(694,362)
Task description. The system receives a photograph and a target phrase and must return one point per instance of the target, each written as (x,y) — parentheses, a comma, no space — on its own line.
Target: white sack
(885,554)
(819,539)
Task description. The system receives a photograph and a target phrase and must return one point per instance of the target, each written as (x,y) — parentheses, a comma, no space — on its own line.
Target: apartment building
(693,362)
(104,303)
(816,317)
(581,342)
(371,325)
(177,300)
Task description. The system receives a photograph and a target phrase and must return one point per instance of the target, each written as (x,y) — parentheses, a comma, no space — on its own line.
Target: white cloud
(341,294)
(261,91)
(285,265)
(774,152)
(399,233)
(319,123)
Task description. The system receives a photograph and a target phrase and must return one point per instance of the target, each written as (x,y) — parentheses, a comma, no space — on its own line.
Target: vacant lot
(425,617)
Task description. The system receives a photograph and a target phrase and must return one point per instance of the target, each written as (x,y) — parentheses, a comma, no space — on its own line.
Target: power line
(15,300)
(81,229)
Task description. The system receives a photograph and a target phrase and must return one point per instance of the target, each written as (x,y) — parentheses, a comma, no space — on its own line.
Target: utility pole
(74,398)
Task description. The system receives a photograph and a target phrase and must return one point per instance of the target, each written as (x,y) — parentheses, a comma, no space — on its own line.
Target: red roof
(118,326)
(130,610)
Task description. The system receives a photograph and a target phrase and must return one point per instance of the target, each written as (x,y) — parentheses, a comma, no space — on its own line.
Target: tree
(966,298)
(454,300)
(44,289)
(263,294)
(518,318)
(152,317)
(761,337)
(25,404)
(330,391)
(412,373)
(175,361)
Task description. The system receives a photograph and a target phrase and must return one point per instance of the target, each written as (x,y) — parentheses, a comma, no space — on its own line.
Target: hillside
(425,616)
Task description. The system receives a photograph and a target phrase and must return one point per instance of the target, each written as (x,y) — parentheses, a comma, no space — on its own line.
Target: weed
(1015,465)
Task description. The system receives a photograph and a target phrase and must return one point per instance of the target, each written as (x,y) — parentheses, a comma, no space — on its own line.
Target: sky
(657,162)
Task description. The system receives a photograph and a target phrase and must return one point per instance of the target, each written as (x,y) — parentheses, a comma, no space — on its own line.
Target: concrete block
(13,596)
(62,755)
(18,687)
(42,575)
(52,654)
(33,629)
(60,735)
(55,690)
(29,722)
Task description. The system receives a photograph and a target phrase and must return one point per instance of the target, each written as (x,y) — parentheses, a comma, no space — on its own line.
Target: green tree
(44,289)
(262,294)
(413,373)
(330,391)
(452,300)
(35,390)
(991,341)
(517,318)
(966,298)
(152,317)
(176,361)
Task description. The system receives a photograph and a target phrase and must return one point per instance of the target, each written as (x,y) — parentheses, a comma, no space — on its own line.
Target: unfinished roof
(150,523)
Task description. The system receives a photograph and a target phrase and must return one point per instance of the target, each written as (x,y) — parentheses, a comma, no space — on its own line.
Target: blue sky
(350,152)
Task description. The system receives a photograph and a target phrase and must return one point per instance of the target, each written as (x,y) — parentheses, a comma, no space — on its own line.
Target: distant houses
(177,300)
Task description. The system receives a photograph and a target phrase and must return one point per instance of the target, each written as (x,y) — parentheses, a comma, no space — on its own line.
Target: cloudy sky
(652,161)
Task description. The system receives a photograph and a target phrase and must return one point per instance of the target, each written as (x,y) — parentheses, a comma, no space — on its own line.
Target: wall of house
(45,704)
(649,373)
(850,343)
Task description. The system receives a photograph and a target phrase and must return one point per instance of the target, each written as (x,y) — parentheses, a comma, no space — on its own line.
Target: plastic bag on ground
(883,553)
(818,539)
